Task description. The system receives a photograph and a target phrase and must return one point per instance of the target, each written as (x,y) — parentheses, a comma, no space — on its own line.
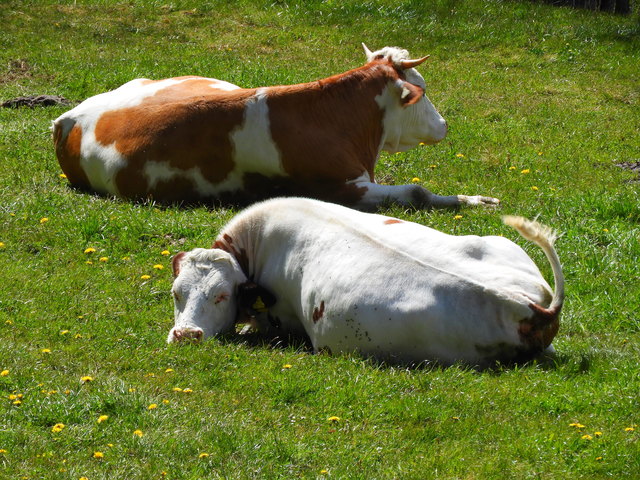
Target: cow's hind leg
(415,196)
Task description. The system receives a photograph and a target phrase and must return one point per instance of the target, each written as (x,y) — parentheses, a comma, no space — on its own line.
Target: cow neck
(238,239)
(342,113)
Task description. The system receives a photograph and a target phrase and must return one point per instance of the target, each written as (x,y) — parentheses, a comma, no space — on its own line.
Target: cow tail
(544,237)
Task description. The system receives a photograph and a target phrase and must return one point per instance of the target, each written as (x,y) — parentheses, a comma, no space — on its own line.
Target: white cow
(360,282)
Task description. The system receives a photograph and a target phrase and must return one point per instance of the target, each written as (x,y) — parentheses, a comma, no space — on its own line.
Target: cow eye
(176,296)
(221,298)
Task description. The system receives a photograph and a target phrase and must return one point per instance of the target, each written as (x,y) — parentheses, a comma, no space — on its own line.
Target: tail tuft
(531,230)
(544,237)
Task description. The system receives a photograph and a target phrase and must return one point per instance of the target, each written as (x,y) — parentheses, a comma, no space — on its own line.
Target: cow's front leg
(414,195)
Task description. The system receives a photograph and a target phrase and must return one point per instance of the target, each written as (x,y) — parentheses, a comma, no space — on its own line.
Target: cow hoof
(478,200)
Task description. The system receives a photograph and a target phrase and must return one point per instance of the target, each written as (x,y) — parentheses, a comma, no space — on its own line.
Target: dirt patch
(16,69)
(632,166)
(35,101)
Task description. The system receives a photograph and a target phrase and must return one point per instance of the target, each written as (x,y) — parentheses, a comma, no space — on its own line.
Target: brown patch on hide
(538,332)
(391,221)
(183,126)
(68,153)
(318,312)
(225,242)
(330,130)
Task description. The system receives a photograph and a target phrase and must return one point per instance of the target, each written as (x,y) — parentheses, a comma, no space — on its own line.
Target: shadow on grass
(569,365)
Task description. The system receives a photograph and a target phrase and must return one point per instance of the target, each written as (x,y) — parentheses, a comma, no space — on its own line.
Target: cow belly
(408,314)
(432,332)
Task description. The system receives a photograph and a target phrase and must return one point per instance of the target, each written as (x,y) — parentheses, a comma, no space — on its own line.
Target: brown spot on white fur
(68,152)
(318,312)
(186,125)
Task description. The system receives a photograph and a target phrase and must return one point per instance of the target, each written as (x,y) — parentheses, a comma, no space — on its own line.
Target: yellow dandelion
(45,350)
(598,459)
(98,455)
(89,262)
(153,406)
(2,450)
(539,153)
(168,370)
(77,335)
(83,478)
(629,429)
(525,171)
(64,332)
(4,373)
(86,379)
(605,230)
(586,437)
(103,418)
(422,144)
(13,396)
(177,389)
(1,244)
(597,434)
(9,322)
(17,402)
(58,427)
(132,390)
(460,155)
(158,267)
(126,258)
(187,390)
(534,188)
(415,180)
(203,455)
(145,277)
(287,366)
(89,250)
(165,252)
(44,220)
(333,419)
(324,471)
(138,433)
(455,418)
(576,425)
(104,259)
(512,167)
(433,166)
(457,217)
(165,402)
(62,175)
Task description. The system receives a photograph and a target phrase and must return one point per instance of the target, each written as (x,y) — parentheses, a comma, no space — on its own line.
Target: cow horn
(367,52)
(405,64)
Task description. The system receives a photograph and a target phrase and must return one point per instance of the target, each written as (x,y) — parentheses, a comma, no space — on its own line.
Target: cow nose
(188,334)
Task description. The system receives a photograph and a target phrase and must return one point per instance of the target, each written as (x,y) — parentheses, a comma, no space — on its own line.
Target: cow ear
(175,263)
(410,94)
(253,299)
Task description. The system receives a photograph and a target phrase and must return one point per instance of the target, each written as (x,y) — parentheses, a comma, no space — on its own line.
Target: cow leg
(415,196)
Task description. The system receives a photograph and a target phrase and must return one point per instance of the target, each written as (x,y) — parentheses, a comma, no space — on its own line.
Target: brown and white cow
(196,139)
(367,283)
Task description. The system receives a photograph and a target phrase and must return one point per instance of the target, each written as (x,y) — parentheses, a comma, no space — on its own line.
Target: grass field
(542,104)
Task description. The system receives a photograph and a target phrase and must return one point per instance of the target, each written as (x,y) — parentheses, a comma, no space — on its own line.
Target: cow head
(204,293)
(410,118)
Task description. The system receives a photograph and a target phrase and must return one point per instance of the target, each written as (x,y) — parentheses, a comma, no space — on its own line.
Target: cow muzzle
(194,335)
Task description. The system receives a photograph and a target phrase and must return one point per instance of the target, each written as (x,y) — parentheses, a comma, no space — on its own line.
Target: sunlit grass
(542,103)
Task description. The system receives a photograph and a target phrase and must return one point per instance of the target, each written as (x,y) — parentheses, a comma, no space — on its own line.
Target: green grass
(524,87)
